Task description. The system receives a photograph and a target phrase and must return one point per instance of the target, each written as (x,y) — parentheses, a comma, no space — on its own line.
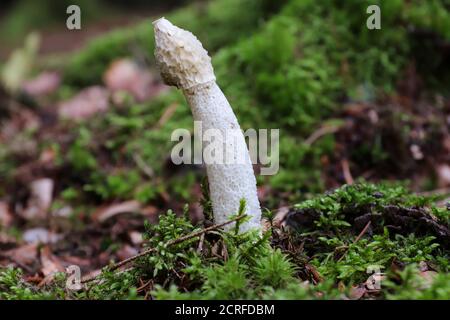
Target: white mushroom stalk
(184,63)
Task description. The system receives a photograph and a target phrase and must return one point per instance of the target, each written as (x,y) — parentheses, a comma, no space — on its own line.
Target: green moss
(246,266)
(87,66)
(411,284)
(13,287)
(337,253)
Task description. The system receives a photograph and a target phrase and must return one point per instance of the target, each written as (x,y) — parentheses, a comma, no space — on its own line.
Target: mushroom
(184,63)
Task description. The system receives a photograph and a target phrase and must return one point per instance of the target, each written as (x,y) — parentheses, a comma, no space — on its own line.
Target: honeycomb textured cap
(180,56)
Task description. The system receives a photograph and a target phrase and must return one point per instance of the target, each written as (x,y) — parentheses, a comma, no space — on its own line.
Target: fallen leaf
(48,155)
(126,252)
(135,237)
(45,83)
(40,235)
(357,292)
(73,260)
(50,263)
(35,278)
(105,213)
(20,121)
(6,217)
(24,255)
(40,199)
(6,240)
(443,173)
(126,75)
(85,104)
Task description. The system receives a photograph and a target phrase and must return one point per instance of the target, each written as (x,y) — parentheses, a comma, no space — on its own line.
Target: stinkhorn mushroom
(184,63)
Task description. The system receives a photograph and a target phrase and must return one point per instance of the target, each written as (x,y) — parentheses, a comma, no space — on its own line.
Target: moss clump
(347,231)
(13,287)
(331,257)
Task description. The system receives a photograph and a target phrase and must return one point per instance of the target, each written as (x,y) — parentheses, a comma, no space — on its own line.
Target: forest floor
(86,180)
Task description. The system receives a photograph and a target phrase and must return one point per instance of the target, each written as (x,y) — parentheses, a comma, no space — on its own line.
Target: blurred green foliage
(291,66)
(26,15)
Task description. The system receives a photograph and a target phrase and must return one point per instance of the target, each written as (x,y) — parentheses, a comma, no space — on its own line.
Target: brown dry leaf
(126,75)
(12,132)
(446,142)
(135,237)
(73,260)
(280,215)
(151,213)
(35,278)
(6,240)
(45,83)
(278,220)
(40,199)
(443,174)
(50,264)
(357,292)
(5,215)
(104,213)
(47,155)
(24,255)
(85,104)
(126,252)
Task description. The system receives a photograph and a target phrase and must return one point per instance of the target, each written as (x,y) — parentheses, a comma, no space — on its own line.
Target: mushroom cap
(180,56)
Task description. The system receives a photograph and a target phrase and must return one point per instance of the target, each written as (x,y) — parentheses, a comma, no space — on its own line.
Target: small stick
(169,243)
(316,135)
(346,171)
(363,231)
(360,235)
(143,166)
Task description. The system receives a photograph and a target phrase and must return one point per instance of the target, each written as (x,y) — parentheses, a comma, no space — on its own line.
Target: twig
(363,231)
(321,132)
(168,244)
(437,192)
(200,244)
(346,171)
(360,235)
(167,114)
(144,285)
(143,166)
